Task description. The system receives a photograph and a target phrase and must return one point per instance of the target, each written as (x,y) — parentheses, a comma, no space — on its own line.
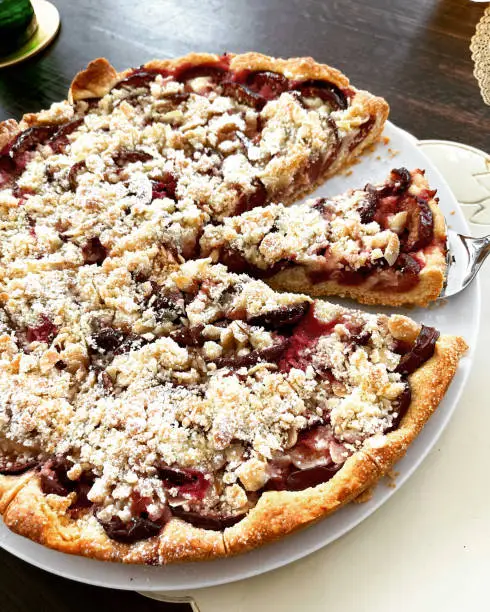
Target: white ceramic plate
(459,316)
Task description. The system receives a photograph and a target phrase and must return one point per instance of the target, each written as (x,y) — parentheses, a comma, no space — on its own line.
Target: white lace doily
(480,52)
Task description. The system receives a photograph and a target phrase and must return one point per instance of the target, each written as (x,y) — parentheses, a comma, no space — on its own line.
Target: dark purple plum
(136,529)
(213,522)
(93,251)
(281,317)
(303,479)
(422,350)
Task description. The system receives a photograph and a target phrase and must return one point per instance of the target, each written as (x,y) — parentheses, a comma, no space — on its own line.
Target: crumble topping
(217,388)
(152,165)
(359,231)
(143,386)
(302,234)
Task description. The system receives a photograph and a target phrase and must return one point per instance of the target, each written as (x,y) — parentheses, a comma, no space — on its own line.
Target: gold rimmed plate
(48,20)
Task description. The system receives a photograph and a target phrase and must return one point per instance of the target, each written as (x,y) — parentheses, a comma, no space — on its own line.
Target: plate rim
(438,141)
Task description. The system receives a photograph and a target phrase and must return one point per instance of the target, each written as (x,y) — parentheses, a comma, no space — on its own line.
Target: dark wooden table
(415,54)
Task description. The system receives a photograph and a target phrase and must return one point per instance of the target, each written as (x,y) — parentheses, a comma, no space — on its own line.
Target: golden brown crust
(8,130)
(180,541)
(428,385)
(191,59)
(10,486)
(300,68)
(427,290)
(44,519)
(279,513)
(93,82)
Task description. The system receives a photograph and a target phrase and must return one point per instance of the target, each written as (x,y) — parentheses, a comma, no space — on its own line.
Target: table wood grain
(415,54)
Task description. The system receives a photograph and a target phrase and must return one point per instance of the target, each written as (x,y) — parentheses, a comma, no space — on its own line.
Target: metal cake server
(464,259)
